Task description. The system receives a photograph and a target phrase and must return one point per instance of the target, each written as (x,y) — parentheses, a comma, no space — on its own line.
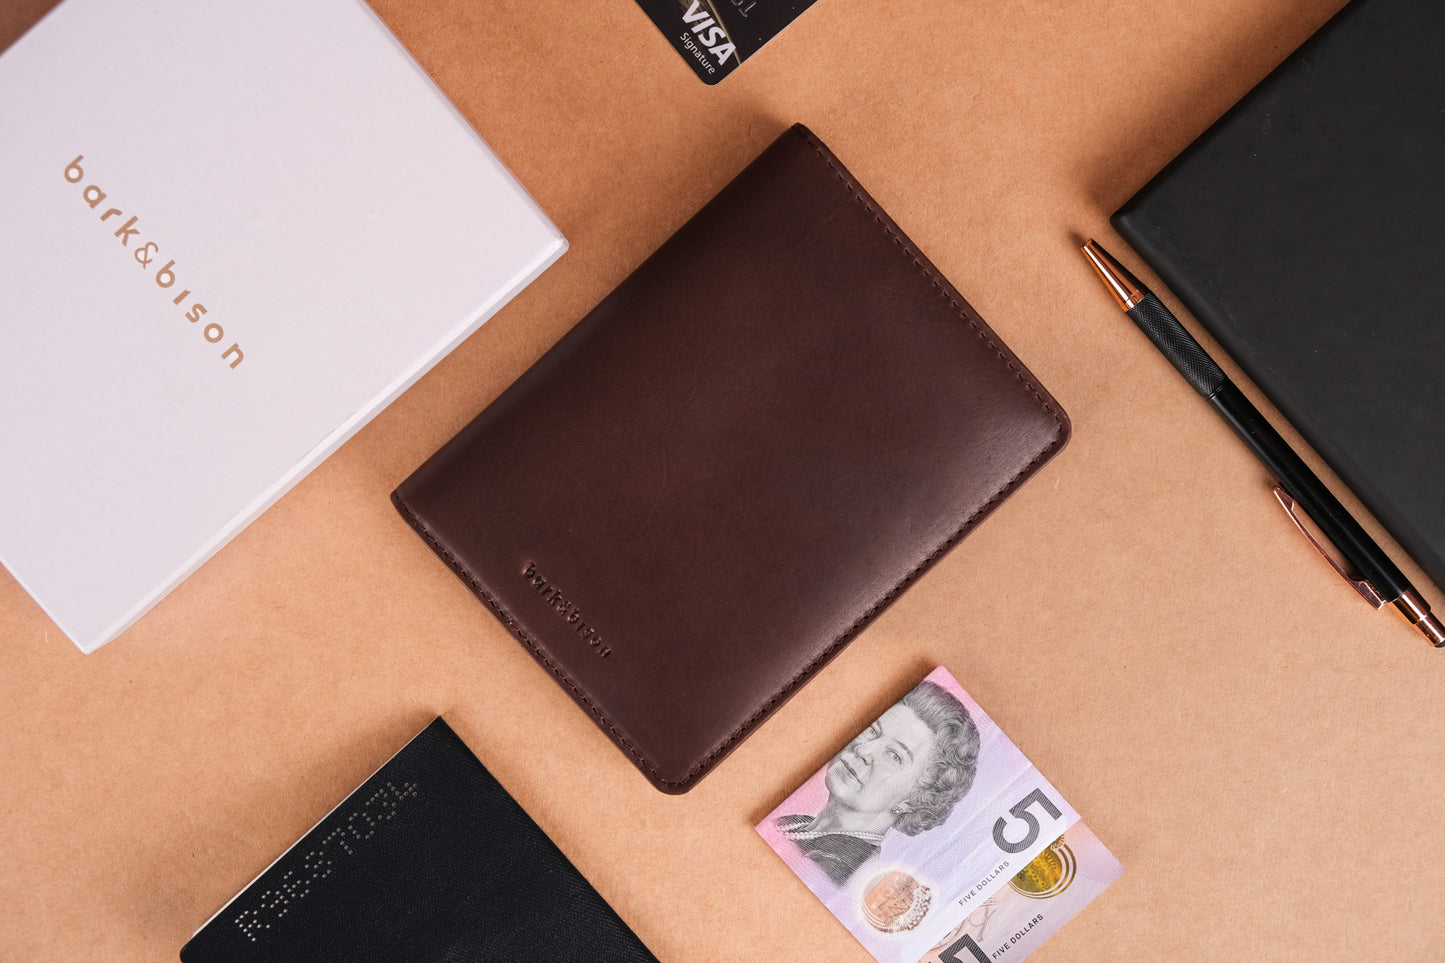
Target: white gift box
(233,232)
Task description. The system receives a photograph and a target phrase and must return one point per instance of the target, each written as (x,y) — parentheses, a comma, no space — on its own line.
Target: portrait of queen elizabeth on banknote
(909,833)
(904,773)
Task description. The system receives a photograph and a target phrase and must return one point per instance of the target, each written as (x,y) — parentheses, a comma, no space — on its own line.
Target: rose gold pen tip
(1124,286)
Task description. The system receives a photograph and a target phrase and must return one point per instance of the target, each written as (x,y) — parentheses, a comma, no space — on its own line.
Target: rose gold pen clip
(1357,582)
(1409,605)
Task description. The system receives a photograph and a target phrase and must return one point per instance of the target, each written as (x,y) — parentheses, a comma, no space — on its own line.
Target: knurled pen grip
(1178,345)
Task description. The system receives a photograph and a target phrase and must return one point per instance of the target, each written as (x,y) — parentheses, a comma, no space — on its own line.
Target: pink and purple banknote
(933,839)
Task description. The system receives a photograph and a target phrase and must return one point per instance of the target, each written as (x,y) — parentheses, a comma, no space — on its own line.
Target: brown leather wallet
(735,462)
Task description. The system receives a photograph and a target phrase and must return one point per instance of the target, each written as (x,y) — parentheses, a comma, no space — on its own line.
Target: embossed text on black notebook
(429,860)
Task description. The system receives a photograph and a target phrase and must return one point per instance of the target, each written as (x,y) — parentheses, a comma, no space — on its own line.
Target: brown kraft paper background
(1255,744)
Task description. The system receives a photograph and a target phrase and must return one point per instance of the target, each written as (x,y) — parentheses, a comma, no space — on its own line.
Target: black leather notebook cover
(430,859)
(732,464)
(1306,231)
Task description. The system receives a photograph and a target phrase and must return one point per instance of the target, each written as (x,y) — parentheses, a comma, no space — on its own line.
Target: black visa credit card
(714,36)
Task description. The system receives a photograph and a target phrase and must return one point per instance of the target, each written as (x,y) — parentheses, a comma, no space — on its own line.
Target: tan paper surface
(1254,744)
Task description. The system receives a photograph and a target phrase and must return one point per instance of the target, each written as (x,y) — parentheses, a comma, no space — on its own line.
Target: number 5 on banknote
(1021,811)
(917,823)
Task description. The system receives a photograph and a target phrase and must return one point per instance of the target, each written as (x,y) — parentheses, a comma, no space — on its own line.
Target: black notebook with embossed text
(430,859)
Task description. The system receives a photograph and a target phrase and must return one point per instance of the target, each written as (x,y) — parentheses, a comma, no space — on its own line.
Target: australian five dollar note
(933,839)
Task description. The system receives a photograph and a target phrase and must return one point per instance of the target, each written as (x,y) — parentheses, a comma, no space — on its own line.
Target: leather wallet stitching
(848,634)
(457,566)
(858,624)
(919,262)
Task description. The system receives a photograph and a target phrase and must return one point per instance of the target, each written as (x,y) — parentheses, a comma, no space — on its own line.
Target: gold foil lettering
(145,253)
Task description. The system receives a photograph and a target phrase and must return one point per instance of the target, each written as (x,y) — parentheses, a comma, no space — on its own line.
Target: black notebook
(1304,231)
(430,859)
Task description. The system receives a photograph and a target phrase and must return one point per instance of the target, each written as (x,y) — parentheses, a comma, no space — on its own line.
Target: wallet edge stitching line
(512,626)
(926,267)
(515,628)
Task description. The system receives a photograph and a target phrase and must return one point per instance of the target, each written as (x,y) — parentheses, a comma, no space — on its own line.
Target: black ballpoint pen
(1294,476)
